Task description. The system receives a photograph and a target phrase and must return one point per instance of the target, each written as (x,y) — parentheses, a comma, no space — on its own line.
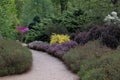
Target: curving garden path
(45,67)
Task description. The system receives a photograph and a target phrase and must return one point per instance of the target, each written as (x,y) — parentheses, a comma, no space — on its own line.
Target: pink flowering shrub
(22,29)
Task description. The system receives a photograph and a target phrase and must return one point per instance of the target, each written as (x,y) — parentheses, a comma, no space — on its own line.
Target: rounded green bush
(14,58)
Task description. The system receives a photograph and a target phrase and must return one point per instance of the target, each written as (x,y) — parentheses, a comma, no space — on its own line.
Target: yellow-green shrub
(59,38)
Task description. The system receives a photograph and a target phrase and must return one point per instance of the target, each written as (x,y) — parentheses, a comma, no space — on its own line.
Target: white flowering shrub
(112,19)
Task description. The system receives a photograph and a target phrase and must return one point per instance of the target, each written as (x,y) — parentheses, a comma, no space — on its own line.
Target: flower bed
(56,49)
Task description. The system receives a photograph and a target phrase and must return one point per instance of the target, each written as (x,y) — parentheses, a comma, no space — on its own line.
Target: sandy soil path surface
(45,67)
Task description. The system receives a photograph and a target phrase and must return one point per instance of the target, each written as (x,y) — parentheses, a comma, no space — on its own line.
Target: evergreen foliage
(8,19)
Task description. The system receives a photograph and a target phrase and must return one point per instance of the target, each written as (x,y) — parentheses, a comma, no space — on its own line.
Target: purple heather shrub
(42,46)
(60,49)
(70,44)
(32,44)
(39,45)
(56,49)
(59,54)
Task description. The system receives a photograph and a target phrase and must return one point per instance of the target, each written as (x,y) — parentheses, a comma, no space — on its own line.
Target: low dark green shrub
(75,57)
(38,30)
(105,68)
(14,58)
(94,63)
(37,33)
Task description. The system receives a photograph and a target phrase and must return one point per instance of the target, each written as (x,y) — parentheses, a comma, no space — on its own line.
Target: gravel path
(45,67)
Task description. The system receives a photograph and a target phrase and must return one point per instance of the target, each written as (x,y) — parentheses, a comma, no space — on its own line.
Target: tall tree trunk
(63,4)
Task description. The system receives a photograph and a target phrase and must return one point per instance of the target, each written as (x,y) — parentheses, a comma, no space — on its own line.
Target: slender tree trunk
(63,4)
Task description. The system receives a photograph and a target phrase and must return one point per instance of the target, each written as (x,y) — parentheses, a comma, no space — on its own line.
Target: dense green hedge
(14,58)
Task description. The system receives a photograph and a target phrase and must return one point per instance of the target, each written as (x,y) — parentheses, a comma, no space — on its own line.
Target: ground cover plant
(58,46)
(76,56)
(14,58)
(105,68)
(56,49)
(59,50)
(92,62)
(39,45)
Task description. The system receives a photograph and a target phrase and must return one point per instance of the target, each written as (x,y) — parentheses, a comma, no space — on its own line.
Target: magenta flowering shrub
(39,45)
(22,29)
